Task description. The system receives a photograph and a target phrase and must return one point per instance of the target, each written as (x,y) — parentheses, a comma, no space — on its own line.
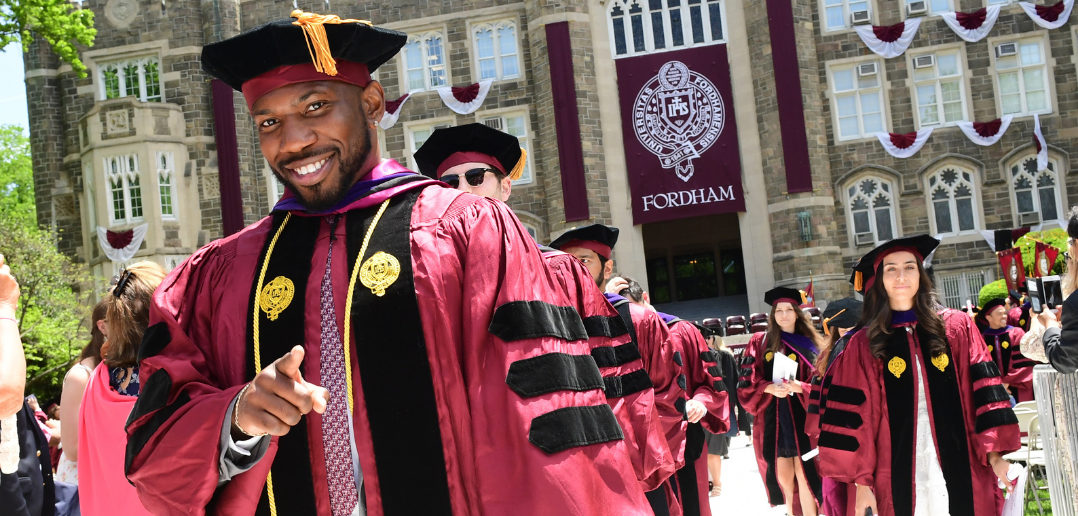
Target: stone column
(796,260)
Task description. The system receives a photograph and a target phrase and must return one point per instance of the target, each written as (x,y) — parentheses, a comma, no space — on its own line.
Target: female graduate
(778,434)
(916,415)
(1002,341)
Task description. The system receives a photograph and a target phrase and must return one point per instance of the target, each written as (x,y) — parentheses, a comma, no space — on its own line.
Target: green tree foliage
(16,176)
(51,312)
(59,22)
(1054,237)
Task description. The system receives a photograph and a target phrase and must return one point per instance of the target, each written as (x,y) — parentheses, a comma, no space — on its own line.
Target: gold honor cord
(347,321)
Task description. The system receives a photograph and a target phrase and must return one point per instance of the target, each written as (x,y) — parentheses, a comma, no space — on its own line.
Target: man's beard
(326,194)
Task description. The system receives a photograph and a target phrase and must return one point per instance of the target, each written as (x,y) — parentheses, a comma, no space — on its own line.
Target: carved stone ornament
(116,121)
(120,13)
(211,188)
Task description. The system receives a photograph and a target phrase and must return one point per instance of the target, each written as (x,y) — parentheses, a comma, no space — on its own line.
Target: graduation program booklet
(784,370)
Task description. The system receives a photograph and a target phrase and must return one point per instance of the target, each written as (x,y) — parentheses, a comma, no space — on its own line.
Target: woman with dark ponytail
(778,433)
(916,414)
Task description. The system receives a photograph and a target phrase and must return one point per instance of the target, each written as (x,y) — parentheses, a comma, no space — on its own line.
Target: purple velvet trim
(614,298)
(903,318)
(996,333)
(799,342)
(358,191)
(795,153)
(567,122)
(228,158)
(667,318)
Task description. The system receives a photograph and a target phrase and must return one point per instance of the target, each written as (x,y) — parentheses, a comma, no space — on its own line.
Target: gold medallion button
(897,366)
(941,361)
(769,356)
(276,296)
(379,272)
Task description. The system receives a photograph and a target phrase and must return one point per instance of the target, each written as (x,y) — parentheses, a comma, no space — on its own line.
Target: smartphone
(1035,297)
(1052,291)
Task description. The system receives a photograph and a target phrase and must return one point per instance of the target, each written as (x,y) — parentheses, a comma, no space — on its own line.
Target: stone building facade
(134,142)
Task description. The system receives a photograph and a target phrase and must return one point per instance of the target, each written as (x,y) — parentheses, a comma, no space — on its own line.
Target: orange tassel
(518,169)
(858,281)
(314,32)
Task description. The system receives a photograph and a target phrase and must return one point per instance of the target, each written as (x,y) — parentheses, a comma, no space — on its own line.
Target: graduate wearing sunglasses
(473,158)
(484,161)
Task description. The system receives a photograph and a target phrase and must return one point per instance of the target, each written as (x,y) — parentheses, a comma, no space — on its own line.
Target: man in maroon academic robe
(484,161)
(380,344)
(705,399)
(1001,340)
(593,246)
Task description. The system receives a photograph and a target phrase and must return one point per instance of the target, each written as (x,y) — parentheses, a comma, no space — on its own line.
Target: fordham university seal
(677,116)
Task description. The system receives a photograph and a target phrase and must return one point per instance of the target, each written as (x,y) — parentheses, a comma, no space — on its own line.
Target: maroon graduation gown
(1019,317)
(755,376)
(486,318)
(628,386)
(838,497)
(868,430)
(1016,369)
(702,381)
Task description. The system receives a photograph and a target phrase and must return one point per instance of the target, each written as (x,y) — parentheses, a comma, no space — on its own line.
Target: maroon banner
(795,154)
(228,157)
(1014,272)
(680,134)
(574,187)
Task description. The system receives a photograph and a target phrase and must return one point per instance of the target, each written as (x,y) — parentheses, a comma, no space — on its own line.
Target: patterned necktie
(336,441)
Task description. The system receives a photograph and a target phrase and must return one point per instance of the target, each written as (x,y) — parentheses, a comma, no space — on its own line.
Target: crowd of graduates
(394,343)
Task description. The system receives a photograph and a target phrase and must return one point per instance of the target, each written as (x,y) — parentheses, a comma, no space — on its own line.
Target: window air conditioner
(1029,219)
(860,17)
(1007,49)
(864,239)
(917,8)
(925,61)
(494,123)
(867,70)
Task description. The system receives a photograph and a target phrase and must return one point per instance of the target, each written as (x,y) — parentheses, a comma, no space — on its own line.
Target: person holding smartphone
(1053,334)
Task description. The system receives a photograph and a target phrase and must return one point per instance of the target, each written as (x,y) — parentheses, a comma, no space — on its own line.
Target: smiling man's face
(319,137)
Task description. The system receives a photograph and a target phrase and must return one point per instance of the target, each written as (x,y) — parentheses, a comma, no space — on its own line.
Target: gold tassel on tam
(518,170)
(858,281)
(314,32)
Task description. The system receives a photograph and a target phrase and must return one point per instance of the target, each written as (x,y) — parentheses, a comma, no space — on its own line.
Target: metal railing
(1057,409)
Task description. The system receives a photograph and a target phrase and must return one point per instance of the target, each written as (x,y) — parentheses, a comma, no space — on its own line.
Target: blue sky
(12,87)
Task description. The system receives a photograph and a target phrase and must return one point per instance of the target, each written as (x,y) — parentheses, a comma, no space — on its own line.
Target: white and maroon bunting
(466,100)
(904,145)
(120,246)
(1040,144)
(1049,16)
(889,41)
(973,26)
(393,111)
(986,133)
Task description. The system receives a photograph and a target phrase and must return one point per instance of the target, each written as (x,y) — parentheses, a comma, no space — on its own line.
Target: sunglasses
(120,281)
(474,177)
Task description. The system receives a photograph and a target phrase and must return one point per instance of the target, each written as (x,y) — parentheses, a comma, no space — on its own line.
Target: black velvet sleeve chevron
(994,418)
(602,326)
(570,427)
(553,372)
(983,370)
(710,356)
(626,384)
(990,394)
(841,418)
(748,360)
(154,341)
(714,371)
(519,320)
(839,441)
(613,356)
(677,358)
(847,395)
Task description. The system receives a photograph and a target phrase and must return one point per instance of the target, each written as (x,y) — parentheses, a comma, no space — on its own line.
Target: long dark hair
(825,352)
(93,348)
(876,316)
(803,326)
